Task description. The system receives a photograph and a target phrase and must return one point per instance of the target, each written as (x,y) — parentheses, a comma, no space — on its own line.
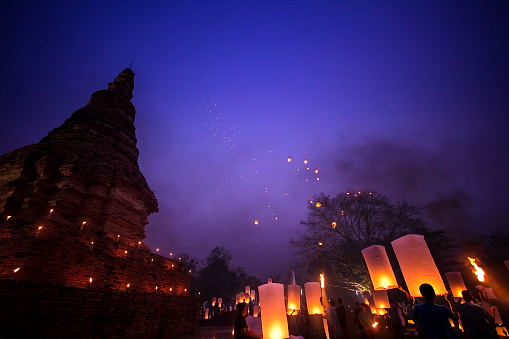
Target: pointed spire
(124,83)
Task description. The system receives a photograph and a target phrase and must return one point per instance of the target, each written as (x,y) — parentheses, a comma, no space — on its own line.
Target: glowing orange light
(374,325)
(478,271)
(90,280)
(322,281)
(40,227)
(256,222)
(316,170)
(320,243)
(125,252)
(128,285)
(17,269)
(139,242)
(318,204)
(156,288)
(8,217)
(171,289)
(305,161)
(317,178)
(334,224)
(289,159)
(157,249)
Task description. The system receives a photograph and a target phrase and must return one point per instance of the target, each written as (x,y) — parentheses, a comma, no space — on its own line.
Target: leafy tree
(338,228)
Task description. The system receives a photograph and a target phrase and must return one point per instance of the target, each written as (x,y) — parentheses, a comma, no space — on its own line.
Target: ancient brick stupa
(73,208)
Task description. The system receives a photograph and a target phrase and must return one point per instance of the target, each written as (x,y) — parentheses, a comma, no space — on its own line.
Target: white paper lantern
(381,299)
(274,321)
(455,283)
(293,299)
(253,294)
(256,311)
(379,267)
(313,294)
(417,264)
(247,289)
(220,301)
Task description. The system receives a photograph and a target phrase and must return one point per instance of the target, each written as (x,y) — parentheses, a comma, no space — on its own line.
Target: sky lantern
(213,301)
(305,161)
(318,204)
(417,264)
(477,270)
(380,299)
(252,294)
(274,321)
(455,283)
(334,224)
(293,299)
(313,294)
(219,301)
(379,267)
(289,159)
(316,170)
(256,222)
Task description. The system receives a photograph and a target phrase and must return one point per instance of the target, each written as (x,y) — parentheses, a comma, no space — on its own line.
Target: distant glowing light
(320,243)
(316,170)
(8,217)
(256,222)
(318,204)
(17,269)
(317,178)
(305,161)
(334,224)
(289,159)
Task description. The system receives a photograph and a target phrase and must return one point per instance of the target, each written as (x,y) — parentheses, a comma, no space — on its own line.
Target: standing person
(332,319)
(475,319)
(434,319)
(341,313)
(397,326)
(366,322)
(240,329)
(358,311)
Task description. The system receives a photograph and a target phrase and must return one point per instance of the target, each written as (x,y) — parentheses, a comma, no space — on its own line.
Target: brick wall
(30,310)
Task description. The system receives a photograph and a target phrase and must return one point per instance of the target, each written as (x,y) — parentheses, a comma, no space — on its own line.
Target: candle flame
(478,271)
(322,281)
(374,325)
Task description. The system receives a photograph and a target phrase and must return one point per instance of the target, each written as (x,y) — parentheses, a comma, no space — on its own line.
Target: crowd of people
(431,321)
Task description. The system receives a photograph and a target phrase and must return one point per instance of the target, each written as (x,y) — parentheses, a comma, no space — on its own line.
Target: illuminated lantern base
(455,283)
(313,294)
(379,267)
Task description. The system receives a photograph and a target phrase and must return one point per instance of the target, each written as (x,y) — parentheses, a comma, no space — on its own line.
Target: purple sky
(410,98)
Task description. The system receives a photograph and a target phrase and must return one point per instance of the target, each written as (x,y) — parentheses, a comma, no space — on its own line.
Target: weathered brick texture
(73,210)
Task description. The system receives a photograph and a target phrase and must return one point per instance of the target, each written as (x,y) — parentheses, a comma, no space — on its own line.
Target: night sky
(409,98)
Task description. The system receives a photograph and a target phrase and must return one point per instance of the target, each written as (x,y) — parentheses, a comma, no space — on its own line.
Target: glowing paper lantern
(252,294)
(417,264)
(305,161)
(256,311)
(334,224)
(381,299)
(220,301)
(318,204)
(293,299)
(455,283)
(289,159)
(379,268)
(214,301)
(274,321)
(256,222)
(313,294)
(247,289)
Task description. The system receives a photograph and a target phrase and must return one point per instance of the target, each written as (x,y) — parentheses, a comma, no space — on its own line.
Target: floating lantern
(157,250)
(455,283)
(381,299)
(90,280)
(293,299)
(334,224)
(247,289)
(214,301)
(289,159)
(417,264)
(82,225)
(49,214)
(219,301)
(317,179)
(316,170)
(128,285)
(256,311)
(16,269)
(477,270)
(252,294)
(313,294)
(305,161)
(274,321)
(256,222)
(320,243)
(118,237)
(38,230)
(318,204)
(8,217)
(307,168)
(91,244)
(379,267)
(139,244)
